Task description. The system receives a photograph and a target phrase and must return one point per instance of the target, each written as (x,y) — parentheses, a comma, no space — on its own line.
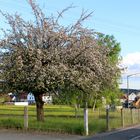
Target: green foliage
(112,96)
(110,42)
(69,96)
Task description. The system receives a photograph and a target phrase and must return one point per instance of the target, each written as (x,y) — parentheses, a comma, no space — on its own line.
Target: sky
(114,17)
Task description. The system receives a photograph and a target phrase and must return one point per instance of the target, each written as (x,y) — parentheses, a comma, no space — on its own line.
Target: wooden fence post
(122,117)
(132,116)
(25,117)
(107,117)
(138,115)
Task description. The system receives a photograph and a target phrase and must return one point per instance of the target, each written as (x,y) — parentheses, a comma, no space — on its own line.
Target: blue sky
(115,17)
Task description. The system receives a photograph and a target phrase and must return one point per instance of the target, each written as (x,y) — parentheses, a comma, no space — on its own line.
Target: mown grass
(11,122)
(62,119)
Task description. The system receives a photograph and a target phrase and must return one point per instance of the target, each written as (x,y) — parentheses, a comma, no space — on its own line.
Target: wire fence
(62,119)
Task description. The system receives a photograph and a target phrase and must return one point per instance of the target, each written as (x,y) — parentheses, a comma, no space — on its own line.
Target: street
(132,133)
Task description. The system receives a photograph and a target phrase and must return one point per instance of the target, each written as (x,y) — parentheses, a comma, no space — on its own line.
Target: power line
(105,24)
(115,28)
(108,21)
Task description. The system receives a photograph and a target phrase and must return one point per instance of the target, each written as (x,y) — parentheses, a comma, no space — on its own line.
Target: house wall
(132,97)
(47,99)
(30,98)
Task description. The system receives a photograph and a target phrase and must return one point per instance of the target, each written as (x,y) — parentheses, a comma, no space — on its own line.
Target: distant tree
(109,41)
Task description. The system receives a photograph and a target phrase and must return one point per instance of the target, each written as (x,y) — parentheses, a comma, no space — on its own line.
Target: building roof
(125,91)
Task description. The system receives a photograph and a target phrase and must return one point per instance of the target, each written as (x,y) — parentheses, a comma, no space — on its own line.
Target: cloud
(132,62)
(132,58)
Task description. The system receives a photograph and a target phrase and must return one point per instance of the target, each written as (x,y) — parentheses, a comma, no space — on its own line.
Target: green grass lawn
(62,119)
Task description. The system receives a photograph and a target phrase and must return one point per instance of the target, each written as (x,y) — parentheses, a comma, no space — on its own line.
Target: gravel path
(15,135)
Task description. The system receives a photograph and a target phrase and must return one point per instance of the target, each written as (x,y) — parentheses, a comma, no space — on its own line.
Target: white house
(30,98)
(132,97)
(47,99)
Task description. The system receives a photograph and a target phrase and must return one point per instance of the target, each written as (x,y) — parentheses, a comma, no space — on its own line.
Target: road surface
(132,133)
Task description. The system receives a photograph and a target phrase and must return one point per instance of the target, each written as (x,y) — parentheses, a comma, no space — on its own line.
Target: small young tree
(111,94)
(70,96)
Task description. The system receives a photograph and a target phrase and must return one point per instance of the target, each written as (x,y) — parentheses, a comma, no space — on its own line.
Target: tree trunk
(94,104)
(76,110)
(39,107)
(95,101)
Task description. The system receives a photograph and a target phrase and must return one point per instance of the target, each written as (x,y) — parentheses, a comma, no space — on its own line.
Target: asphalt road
(132,133)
